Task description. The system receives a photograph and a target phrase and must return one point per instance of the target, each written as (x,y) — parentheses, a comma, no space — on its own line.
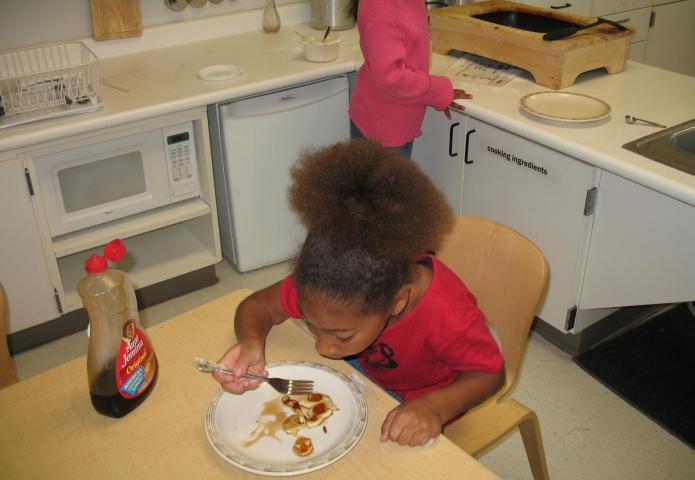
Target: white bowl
(317,51)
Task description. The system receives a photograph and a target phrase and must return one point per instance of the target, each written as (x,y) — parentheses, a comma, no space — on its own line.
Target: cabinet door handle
(451,139)
(465,154)
(29,183)
(558,7)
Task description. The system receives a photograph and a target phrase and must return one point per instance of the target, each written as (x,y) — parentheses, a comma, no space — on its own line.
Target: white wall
(31,22)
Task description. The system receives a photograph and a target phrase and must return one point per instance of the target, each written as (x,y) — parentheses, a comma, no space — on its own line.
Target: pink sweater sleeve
(394,73)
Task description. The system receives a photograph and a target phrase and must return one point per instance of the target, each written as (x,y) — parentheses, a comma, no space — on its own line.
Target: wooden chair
(508,275)
(7,375)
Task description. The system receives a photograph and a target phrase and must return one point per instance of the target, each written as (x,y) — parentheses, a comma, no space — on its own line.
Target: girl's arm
(467,391)
(417,421)
(384,43)
(254,318)
(258,313)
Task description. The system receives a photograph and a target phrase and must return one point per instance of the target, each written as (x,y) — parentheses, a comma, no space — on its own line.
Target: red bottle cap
(114,250)
(95,264)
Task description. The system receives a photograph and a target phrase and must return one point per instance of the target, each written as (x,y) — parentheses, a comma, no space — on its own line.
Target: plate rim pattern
(526,108)
(311,464)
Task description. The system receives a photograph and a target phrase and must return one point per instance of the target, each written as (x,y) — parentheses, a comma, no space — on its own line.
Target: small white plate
(216,73)
(565,106)
(230,421)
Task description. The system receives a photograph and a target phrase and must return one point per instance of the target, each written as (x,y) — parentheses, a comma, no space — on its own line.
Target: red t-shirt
(444,334)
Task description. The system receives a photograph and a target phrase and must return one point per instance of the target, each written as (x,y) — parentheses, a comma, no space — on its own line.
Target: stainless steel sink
(685,139)
(674,146)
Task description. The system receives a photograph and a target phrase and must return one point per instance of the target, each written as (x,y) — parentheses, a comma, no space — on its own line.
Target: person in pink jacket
(394,86)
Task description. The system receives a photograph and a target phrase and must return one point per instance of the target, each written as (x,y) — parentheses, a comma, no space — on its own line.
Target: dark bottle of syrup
(121,364)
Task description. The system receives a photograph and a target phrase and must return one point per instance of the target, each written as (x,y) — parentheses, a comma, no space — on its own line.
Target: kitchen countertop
(647,92)
(142,85)
(153,82)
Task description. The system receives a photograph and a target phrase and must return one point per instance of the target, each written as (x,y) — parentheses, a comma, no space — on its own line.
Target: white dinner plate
(565,106)
(218,73)
(232,423)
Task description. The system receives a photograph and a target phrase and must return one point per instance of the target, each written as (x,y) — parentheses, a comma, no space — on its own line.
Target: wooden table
(48,428)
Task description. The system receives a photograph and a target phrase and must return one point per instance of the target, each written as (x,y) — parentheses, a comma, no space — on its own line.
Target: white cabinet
(607,7)
(637,52)
(23,271)
(671,40)
(252,174)
(642,248)
(162,243)
(537,3)
(633,13)
(439,151)
(576,7)
(539,192)
(609,242)
(665,30)
(638,18)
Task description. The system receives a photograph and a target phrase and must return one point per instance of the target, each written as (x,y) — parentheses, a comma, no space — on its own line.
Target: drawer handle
(465,154)
(451,139)
(558,7)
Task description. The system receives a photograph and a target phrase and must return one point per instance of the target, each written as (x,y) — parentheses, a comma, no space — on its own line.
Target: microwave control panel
(181,160)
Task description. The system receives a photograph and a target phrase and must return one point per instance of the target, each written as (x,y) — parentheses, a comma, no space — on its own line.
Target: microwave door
(97,183)
(90,185)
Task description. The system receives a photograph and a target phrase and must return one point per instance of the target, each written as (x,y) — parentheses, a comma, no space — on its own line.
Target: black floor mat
(653,368)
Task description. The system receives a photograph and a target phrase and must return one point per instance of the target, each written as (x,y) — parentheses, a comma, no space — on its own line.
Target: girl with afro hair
(367,290)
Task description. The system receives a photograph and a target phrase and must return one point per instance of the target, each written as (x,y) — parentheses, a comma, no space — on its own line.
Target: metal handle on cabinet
(451,139)
(465,153)
(558,7)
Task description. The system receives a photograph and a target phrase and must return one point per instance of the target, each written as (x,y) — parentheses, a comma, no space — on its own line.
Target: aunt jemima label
(136,364)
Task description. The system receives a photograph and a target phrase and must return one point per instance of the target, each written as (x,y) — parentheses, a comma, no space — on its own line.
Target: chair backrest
(7,375)
(507,273)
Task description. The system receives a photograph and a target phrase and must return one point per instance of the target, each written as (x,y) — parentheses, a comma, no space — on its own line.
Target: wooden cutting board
(116,19)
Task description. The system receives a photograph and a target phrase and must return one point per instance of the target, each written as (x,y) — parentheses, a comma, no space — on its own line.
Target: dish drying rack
(47,81)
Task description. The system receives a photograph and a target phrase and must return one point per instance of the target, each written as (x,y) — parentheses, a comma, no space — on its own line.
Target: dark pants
(406,149)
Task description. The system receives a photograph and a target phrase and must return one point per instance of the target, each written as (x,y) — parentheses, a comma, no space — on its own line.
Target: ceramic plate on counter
(219,73)
(565,106)
(246,430)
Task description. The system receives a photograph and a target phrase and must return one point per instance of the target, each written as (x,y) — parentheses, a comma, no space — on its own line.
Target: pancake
(312,399)
(309,412)
(293,404)
(303,446)
(293,424)
(318,412)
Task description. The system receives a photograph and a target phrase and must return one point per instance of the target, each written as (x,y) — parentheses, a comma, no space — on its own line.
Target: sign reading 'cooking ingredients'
(512,158)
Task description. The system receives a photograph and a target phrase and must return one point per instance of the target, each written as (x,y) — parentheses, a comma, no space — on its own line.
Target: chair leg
(533,442)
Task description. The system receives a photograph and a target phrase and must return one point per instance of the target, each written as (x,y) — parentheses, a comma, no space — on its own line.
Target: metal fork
(282,385)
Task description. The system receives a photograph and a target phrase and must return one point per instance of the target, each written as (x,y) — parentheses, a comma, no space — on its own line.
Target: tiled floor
(589,432)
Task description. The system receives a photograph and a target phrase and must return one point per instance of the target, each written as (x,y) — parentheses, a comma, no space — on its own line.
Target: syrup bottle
(121,363)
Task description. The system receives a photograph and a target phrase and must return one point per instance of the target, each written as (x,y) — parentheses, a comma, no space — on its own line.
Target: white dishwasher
(254,142)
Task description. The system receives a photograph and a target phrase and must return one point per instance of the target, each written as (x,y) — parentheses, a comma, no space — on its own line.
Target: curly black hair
(370,214)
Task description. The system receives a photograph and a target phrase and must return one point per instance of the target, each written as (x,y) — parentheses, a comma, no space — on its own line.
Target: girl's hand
(241,358)
(458,94)
(412,423)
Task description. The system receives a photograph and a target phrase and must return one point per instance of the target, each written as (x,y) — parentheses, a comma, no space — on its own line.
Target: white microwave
(107,180)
